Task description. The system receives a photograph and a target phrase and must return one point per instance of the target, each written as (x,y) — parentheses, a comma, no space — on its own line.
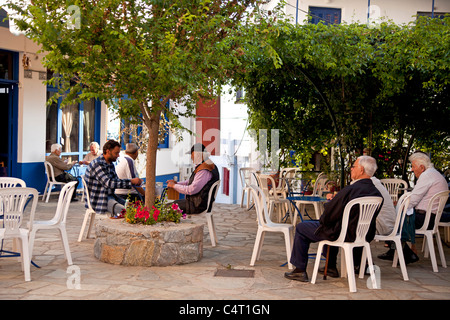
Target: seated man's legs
(67,177)
(304,236)
(410,225)
(115,205)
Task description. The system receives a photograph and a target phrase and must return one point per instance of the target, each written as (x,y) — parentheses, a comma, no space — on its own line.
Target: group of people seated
(429,182)
(110,185)
(60,167)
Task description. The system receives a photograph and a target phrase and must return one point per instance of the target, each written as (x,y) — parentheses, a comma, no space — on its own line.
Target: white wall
(32,98)
(400,11)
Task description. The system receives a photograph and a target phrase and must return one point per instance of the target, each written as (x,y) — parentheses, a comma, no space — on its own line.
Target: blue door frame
(12,110)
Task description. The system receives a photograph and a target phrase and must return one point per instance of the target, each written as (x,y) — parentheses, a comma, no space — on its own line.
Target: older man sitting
(429,182)
(329,225)
(61,166)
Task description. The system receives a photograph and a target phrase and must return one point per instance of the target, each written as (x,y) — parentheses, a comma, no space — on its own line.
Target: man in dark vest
(197,187)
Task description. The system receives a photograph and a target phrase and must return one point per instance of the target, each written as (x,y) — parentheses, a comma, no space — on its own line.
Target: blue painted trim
(97,123)
(163,178)
(33,173)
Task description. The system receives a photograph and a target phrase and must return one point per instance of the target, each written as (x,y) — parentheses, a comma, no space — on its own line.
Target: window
(325,15)
(4,21)
(131,133)
(6,64)
(74,126)
(440,15)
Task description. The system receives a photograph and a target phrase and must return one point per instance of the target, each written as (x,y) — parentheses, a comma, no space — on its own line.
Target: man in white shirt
(429,182)
(387,215)
(126,169)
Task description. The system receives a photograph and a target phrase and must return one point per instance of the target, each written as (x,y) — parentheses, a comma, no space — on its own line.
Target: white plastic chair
(245,175)
(394,186)
(50,180)
(319,185)
(395,236)
(266,225)
(273,198)
(208,212)
(89,214)
(58,221)
(13,202)
(446,226)
(428,246)
(10,182)
(285,173)
(367,208)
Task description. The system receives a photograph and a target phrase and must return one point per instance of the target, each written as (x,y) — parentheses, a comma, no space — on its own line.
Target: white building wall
(400,11)
(32,99)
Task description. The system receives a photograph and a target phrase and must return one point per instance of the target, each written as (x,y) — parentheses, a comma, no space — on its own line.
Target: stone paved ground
(236,229)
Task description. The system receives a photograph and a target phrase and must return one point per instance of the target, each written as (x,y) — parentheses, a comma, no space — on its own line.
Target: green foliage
(147,50)
(383,89)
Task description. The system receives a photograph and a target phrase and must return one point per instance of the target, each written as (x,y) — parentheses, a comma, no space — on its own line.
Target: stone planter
(162,244)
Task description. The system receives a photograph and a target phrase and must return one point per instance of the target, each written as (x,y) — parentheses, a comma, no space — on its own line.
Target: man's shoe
(389,255)
(74,200)
(332,272)
(410,256)
(297,275)
(411,259)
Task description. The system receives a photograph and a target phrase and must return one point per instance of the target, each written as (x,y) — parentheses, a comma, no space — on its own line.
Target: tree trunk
(152,124)
(406,155)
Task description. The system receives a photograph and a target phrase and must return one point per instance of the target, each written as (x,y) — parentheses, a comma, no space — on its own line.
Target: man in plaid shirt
(101,180)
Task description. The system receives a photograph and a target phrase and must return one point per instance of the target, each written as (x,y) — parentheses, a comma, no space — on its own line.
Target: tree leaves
(390,79)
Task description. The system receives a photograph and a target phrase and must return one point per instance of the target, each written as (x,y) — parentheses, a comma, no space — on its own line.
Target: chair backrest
(401,209)
(64,202)
(264,180)
(262,212)
(367,208)
(393,187)
(86,192)
(320,184)
(245,175)
(213,190)
(286,173)
(13,202)
(49,171)
(10,182)
(441,198)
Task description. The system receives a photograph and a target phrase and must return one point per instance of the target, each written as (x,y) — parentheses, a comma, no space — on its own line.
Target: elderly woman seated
(94,147)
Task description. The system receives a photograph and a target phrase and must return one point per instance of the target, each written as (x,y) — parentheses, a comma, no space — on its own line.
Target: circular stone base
(163,244)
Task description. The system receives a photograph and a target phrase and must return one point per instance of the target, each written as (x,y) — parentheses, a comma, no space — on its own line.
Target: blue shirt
(101,180)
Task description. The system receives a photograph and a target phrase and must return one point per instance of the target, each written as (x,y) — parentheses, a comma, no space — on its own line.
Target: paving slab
(236,230)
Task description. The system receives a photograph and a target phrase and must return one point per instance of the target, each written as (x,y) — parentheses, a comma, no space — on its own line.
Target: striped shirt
(102,180)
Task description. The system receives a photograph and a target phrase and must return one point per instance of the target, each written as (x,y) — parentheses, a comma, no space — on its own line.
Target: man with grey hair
(94,153)
(429,182)
(61,166)
(126,169)
(330,223)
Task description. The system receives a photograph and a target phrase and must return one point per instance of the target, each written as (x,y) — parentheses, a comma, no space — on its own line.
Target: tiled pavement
(236,229)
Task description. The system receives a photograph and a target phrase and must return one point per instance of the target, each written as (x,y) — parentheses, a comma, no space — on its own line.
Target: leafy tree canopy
(149,50)
(353,87)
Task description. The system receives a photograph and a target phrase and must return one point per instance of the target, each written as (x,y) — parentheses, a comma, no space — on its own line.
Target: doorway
(6,129)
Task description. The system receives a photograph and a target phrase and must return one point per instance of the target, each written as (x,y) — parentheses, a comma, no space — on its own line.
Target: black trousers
(304,236)
(67,177)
